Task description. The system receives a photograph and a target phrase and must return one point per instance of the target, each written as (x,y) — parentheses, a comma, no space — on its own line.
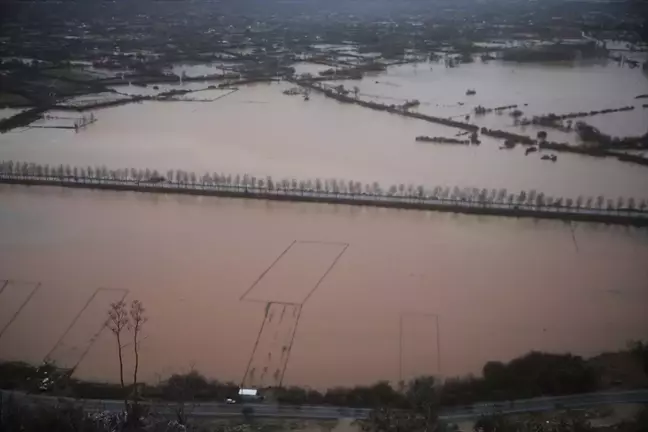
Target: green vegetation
(568,421)
(413,406)
(16,417)
(531,375)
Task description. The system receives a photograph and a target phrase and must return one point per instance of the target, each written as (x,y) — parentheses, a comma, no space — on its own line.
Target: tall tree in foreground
(137,321)
(117,322)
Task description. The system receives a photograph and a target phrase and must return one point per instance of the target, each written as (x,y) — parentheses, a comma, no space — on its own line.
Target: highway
(459,413)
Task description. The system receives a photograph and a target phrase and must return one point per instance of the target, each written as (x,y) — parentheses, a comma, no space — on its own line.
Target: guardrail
(212,409)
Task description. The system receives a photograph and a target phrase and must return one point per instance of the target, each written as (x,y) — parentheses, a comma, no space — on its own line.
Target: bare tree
(588,203)
(117,322)
(510,199)
(483,196)
(137,321)
(522,197)
(501,194)
(493,195)
(569,202)
(609,204)
(420,191)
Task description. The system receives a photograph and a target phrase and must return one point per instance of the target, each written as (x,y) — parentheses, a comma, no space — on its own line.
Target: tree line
(466,196)
(534,374)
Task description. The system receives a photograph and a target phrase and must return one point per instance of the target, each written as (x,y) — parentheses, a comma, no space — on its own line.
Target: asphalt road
(467,412)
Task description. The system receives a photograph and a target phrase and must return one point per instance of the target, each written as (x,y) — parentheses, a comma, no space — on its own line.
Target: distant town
(52,52)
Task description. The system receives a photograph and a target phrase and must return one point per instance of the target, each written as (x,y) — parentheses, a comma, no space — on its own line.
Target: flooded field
(262,132)
(499,287)
(490,288)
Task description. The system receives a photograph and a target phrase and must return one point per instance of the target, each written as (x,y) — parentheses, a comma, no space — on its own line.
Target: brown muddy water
(499,287)
(262,132)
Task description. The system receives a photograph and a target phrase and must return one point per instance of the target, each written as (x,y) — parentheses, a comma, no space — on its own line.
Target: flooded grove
(499,287)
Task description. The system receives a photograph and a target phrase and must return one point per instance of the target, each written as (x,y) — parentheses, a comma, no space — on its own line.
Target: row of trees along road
(339,187)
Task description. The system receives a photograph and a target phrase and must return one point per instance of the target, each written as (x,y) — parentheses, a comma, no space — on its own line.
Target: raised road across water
(459,413)
(416,199)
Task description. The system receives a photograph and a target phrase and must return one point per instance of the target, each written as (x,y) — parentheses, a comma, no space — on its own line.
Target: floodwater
(499,287)
(262,132)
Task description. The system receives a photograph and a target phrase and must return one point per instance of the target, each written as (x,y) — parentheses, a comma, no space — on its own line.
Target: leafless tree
(493,195)
(569,202)
(522,197)
(117,322)
(135,324)
(510,199)
(610,204)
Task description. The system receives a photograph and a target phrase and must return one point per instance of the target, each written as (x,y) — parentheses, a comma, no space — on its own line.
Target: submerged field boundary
(628,216)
